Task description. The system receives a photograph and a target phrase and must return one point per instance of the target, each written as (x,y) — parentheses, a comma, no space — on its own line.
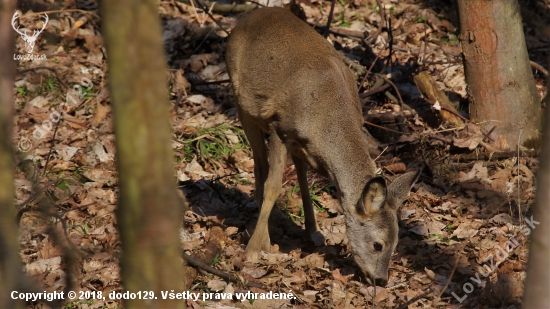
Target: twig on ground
(448,280)
(383,128)
(208,11)
(492,156)
(425,45)
(450,110)
(76,208)
(233,8)
(51,148)
(229,277)
(396,90)
(405,305)
(368,71)
(329,21)
(378,31)
(23,206)
(440,138)
(539,67)
(373,91)
(56,74)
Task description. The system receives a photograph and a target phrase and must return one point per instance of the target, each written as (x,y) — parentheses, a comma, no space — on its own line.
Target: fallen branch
(389,117)
(436,300)
(375,35)
(396,90)
(201,259)
(56,74)
(374,91)
(205,256)
(423,295)
(351,34)
(229,277)
(219,8)
(383,128)
(539,67)
(23,206)
(432,94)
(493,155)
(51,149)
(325,34)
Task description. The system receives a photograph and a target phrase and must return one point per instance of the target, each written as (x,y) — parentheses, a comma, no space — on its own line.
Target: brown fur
(290,83)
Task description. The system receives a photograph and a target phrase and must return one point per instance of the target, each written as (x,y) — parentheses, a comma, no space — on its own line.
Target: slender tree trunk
(149,209)
(537,285)
(501,85)
(10,264)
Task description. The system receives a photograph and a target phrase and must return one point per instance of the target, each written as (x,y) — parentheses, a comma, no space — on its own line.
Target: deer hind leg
(311,221)
(272,187)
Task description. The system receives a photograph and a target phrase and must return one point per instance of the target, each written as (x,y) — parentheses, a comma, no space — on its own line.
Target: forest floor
(463,231)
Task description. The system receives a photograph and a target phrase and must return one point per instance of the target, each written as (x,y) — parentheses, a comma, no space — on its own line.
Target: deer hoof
(255,245)
(318,238)
(252,256)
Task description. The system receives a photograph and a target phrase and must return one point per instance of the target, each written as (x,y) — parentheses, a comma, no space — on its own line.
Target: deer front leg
(256,138)
(272,187)
(311,221)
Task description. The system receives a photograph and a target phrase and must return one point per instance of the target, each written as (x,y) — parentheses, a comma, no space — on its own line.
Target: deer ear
(373,196)
(399,189)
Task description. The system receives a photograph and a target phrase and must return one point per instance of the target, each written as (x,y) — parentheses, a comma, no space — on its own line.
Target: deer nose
(380,282)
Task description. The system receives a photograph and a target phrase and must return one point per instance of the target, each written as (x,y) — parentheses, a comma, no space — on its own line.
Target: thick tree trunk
(501,85)
(10,264)
(149,210)
(537,285)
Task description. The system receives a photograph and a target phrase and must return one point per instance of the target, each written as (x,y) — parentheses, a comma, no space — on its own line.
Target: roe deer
(291,83)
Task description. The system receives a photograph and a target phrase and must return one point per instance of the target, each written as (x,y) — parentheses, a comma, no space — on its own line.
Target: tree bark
(10,263)
(501,85)
(149,211)
(537,285)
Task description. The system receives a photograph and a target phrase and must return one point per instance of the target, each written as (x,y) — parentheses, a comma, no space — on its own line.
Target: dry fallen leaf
(216,285)
(467,229)
(254,272)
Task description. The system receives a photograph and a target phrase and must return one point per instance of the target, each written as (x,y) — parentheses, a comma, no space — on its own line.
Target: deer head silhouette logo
(30,40)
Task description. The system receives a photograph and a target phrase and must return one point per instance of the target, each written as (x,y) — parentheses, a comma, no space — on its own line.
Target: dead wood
(374,91)
(431,91)
(375,35)
(389,117)
(203,258)
(493,155)
(329,22)
(191,260)
(213,248)
(219,8)
(423,295)
(56,74)
(539,67)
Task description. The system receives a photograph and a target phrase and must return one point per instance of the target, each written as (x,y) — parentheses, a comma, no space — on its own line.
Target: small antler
(46,19)
(35,33)
(15,16)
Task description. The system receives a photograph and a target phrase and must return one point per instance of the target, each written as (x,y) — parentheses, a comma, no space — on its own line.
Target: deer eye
(378,246)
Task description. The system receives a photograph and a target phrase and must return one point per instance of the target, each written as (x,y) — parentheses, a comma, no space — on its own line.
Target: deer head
(29,40)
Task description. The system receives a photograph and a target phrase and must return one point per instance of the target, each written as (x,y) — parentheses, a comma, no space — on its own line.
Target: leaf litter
(459,216)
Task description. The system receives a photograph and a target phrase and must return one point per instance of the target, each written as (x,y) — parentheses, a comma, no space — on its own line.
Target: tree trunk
(10,264)
(149,209)
(537,285)
(501,85)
